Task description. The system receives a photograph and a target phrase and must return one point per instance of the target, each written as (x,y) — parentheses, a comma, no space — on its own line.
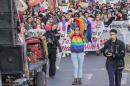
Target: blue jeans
(77,60)
(114,74)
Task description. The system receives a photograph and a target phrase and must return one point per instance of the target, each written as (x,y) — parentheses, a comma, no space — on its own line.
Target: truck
(27,67)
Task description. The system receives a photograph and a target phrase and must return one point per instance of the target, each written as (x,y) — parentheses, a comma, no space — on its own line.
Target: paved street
(94,73)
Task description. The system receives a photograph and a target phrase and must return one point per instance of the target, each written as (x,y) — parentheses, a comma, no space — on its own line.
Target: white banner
(101,36)
(112,1)
(98,39)
(101,1)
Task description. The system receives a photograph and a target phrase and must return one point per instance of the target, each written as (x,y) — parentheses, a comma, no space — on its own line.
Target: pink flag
(34,2)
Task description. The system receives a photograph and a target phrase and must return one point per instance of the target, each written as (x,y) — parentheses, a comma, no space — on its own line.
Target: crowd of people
(88,18)
(103,14)
(77,22)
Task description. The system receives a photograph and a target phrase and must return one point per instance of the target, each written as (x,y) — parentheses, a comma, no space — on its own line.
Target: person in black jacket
(114,50)
(52,43)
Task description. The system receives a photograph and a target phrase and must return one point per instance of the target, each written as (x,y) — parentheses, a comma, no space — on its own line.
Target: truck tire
(40,79)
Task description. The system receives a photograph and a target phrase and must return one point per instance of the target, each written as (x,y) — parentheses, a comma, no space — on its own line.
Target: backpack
(51,39)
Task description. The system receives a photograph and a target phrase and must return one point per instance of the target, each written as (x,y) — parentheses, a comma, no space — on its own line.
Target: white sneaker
(64,55)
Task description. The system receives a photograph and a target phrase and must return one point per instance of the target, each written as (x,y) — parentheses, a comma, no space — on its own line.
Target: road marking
(87,77)
(100,69)
(124,78)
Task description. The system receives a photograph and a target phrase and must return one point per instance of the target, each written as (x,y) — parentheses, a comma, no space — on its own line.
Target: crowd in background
(99,15)
(87,16)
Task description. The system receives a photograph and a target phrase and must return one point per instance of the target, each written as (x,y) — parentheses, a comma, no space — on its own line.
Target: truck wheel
(40,79)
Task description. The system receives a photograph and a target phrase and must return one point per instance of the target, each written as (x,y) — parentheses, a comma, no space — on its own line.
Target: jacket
(52,41)
(118,53)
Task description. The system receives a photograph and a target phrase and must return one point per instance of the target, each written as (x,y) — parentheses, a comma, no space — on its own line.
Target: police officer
(114,50)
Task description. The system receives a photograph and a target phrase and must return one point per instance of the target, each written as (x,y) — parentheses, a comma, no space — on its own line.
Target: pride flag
(52,5)
(88,30)
(77,44)
(34,2)
(128,1)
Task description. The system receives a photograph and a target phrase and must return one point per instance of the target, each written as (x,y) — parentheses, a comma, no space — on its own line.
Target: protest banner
(34,2)
(83,4)
(97,44)
(101,1)
(112,1)
(128,14)
(87,46)
(101,36)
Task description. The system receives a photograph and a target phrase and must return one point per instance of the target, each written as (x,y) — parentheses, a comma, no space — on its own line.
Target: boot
(74,82)
(79,81)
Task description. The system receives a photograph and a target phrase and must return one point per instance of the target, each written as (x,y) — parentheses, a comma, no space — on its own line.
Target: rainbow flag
(88,31)
(77,44)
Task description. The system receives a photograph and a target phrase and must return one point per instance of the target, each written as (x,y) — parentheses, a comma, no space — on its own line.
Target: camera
(108,51)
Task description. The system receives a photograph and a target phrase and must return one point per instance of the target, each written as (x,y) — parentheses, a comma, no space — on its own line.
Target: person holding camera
(114,50)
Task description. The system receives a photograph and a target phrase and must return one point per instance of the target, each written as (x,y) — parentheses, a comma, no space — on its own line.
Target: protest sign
(83,4)
(87,46)
(101,1)
(129,14)
(112,1)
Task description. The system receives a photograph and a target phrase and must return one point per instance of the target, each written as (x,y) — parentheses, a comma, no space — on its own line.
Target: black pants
(52,61)
(114,74)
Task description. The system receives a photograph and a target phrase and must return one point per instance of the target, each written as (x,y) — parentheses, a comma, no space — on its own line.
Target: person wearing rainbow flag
(85,25)
(77,55)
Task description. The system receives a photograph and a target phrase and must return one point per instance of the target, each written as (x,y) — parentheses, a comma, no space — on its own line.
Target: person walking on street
(52,47)
(114,50)
(77,55)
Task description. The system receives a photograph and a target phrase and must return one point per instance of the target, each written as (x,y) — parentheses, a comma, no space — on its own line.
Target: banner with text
(97,43)
(101,36)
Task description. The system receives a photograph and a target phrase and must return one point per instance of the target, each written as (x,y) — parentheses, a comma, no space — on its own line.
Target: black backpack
(51,39)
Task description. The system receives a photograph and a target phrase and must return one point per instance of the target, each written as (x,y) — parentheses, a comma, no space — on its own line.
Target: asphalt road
(94,73)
